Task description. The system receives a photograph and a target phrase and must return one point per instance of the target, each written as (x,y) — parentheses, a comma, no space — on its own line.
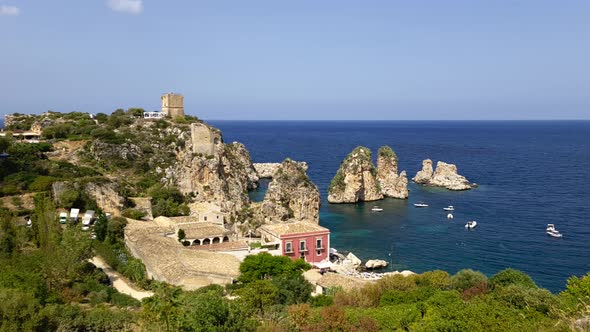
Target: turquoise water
(530,174)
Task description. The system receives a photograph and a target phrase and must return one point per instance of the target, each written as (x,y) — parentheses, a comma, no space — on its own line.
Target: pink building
(298,240)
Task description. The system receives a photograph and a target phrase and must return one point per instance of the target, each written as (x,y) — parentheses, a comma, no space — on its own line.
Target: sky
(304,59)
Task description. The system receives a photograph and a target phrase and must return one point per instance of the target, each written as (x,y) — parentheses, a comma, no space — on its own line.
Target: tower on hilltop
(173,105)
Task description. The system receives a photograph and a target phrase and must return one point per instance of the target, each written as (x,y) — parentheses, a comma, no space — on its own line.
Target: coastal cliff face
(356,179)
(222,177)
(392,184)
(445,176)
(290,196)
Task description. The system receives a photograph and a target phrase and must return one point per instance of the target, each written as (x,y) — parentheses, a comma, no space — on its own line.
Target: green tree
(181,235)
(100,226)
(466,279)
(259,295)
(267,266)
(8,234)
(511,277)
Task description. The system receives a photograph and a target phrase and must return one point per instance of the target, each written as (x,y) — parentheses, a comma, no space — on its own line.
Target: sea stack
(445,176)
(290,196)
(356,179)
(392,184)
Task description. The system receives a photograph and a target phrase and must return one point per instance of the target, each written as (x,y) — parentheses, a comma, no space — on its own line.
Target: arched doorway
(206,241)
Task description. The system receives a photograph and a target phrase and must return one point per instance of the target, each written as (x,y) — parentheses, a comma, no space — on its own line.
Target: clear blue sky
(300,59)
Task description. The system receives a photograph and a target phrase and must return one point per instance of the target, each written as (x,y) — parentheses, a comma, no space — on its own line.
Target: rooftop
(293,228)
(201,230)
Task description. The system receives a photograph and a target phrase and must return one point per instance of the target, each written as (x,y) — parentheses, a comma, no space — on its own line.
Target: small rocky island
(445,176)
(357,179)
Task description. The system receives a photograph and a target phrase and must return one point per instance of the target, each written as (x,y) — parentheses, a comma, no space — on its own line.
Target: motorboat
(450,216)
(449,208)
(551,231)
(471,224)
(420,205)
(376,209)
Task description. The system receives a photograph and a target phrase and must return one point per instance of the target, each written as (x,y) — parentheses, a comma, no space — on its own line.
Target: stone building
(173,105)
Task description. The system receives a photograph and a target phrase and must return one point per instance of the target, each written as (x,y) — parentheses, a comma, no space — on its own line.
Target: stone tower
(173,105)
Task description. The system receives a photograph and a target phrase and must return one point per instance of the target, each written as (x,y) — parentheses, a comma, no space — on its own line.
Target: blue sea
(529,174)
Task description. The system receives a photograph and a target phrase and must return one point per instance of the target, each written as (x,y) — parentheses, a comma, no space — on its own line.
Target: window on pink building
(302,246)
(289,247)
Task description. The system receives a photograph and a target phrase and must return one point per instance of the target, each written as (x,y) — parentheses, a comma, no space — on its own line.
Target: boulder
(353,259)
(376,264)
(356,179)
(391,184)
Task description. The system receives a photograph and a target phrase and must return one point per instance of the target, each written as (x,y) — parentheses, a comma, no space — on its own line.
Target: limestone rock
(392,184)
(355,180)
(376,264)
(290,196)
(266,170)
(353,259)
(222,177)
(107,196)
(445,176)
(423,176)
(105,193)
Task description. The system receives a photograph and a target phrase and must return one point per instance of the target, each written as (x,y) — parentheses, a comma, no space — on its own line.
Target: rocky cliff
(392,184)
(223,177)
(445,176)
(355,180)
(290,196)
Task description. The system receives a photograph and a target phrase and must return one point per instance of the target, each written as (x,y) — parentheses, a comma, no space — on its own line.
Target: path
(119,282)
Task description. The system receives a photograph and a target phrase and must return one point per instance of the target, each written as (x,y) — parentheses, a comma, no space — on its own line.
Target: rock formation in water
(266,170)
(392,184)
(425,174)
(355,180)
(445,176)
(376,264)
(290,196)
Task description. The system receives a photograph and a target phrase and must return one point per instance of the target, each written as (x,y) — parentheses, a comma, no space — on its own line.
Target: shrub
(435,279)
(41,183)
(133,214)
(511,277)
(466,279)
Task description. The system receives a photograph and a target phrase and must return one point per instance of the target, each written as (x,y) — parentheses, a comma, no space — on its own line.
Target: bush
(466,279)
(434,279)
(42,183)
(511,277)
(133,214)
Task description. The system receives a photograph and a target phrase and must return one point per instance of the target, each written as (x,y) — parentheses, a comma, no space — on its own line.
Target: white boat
(376,209)
(449,208)
(471,224)
(450,216)
(420,205)
(551,231)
